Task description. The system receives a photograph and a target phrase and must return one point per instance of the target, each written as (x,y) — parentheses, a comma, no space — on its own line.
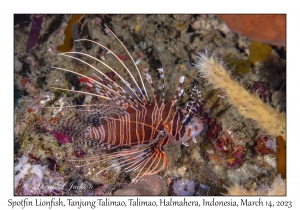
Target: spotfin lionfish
(139,129)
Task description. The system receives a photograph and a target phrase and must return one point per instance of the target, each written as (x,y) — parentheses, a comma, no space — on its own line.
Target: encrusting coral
(248,105)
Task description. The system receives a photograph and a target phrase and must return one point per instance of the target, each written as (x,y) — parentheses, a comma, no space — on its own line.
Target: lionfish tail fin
(73,129)
(69,126)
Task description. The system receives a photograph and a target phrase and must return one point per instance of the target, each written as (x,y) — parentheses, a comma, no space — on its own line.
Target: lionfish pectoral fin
(152,161)
(145,160)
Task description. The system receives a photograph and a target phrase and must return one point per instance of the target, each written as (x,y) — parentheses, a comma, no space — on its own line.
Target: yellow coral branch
(247,104)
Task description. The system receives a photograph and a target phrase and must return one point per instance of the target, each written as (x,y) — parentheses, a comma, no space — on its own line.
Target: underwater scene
(133,105)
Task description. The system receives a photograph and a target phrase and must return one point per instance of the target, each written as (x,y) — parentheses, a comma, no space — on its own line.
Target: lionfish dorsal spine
(140,95)
(149,79)
(108,87)
(137,69)
(162,78)
(108,94)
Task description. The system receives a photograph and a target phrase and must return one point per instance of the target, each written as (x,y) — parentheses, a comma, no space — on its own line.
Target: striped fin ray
(149,79)
(105,109)
(126,120)
(131,101)
(87,93)
(140,95)
(130,132)
(132,61)
(162,77)
(111,90)
(112,83)
(178,93)
(109,93)
(146,160)
(168,106)
(91,143)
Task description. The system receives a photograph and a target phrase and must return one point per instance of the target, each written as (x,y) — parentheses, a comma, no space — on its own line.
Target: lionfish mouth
(127,118)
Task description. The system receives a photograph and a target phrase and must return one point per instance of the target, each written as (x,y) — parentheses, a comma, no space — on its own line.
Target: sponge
(247,104)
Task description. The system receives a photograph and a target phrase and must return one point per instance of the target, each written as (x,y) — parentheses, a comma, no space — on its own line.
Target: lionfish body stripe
(130,120)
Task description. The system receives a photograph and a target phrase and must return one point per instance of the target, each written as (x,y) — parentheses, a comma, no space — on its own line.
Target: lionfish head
(191,125)
(190,129)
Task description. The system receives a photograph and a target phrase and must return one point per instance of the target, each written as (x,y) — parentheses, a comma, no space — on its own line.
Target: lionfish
(139,128)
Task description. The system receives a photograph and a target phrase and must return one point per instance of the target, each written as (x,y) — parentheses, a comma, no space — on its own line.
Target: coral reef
(231,148)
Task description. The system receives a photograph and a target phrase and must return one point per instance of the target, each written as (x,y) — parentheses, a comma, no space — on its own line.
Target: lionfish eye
(188,120)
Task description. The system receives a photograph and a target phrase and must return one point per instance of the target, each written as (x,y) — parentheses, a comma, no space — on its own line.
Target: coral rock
(184,187)
(149,185)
